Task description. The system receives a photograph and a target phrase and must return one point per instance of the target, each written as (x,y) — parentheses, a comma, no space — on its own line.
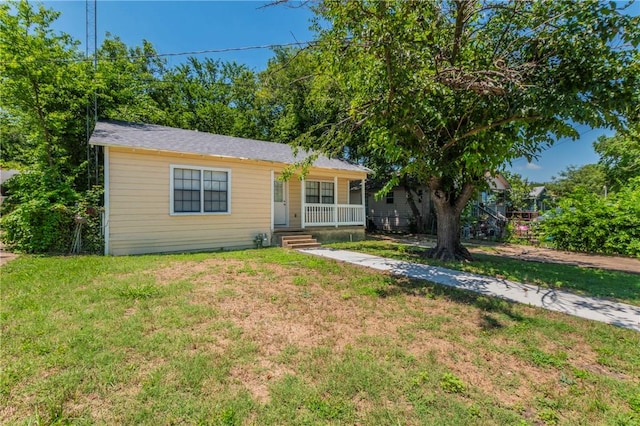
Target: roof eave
(107,144)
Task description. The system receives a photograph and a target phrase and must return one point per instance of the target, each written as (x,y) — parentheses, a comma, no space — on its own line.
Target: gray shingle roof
(153,137)
(6,174)
(537,191)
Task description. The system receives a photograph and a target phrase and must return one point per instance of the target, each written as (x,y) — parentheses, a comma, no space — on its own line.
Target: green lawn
(277,337)
(620,286)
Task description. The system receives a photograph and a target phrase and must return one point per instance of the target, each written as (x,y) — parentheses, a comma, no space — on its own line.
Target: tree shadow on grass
(499,295)
(400,285)
(467,287)
(587,281)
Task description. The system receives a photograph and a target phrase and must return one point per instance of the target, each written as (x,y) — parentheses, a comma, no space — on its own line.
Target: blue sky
(185,26)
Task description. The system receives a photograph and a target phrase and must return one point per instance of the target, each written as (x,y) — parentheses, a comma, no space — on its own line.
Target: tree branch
(498,124)
(464,197)
(392,91)
(489,126)
(457,35)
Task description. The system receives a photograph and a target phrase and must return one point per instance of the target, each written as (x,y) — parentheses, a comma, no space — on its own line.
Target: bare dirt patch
(546,255)
(5,256)
(287,321)
(535,254)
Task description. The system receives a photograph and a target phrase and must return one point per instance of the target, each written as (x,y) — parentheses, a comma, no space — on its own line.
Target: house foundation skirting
(324,234)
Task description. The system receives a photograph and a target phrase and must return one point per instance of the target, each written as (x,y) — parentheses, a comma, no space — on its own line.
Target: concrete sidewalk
(619,314)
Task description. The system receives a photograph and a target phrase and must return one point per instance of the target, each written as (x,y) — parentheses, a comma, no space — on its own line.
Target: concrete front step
(296,237)
(303,245)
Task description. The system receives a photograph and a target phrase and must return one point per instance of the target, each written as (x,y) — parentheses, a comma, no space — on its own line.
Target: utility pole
(91,51)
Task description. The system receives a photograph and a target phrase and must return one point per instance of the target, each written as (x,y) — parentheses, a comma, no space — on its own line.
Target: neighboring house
(170,190)
(538,198)
(393,213)
(5,175)
(495,198)
(489,211)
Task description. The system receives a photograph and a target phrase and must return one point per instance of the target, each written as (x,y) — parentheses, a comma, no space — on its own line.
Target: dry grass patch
(276,337)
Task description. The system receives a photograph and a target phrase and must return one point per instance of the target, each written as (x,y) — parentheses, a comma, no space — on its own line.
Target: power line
(171,54)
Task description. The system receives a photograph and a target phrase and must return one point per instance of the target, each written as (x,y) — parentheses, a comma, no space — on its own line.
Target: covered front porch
(318,201)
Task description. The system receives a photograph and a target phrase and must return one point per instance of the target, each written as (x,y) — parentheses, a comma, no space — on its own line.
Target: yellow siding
(139,205)
(343,191)
(295,203)
(139,210)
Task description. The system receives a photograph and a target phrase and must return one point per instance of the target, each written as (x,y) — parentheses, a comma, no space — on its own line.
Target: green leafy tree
(588,222)
(518,195)
(45,85)
(620,157)
(450,90)
(129,82)
(297,97)
(212,96)
(16,148)
(589,178)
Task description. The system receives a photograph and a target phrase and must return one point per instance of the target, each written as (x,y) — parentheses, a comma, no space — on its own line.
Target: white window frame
(172,167)
(335,191)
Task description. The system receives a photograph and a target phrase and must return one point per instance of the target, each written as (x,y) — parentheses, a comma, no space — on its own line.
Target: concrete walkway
(619,314)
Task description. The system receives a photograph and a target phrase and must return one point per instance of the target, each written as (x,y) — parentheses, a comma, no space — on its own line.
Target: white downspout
(271,226)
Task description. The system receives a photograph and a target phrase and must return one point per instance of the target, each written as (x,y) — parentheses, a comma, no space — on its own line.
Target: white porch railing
(333,214)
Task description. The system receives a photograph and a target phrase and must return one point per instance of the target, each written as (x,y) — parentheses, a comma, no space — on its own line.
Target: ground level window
(319,192)
(199,190)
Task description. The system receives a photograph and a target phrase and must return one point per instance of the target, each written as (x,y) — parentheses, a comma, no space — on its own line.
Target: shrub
(590,223)
(38,215)
(89,208)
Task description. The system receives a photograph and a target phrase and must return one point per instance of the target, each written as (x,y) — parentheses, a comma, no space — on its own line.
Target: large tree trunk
(448,211)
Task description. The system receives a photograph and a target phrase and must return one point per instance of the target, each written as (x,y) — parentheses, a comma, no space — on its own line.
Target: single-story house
(175,190)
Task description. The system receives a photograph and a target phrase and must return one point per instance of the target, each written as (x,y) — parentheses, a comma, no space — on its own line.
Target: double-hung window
(197,190)
(319,192)
(390,198)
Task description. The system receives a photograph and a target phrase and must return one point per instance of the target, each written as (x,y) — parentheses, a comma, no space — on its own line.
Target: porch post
(364,208)
(303,201)
(335,201)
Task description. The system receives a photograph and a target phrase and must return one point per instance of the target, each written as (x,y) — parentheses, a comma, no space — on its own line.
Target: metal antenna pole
(91,50)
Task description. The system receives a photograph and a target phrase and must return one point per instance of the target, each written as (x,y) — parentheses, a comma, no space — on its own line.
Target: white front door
(279,203)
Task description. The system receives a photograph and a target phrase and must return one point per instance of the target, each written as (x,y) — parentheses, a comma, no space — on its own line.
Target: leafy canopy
(588,178)
(620,156)
(44,88)
(449,90)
